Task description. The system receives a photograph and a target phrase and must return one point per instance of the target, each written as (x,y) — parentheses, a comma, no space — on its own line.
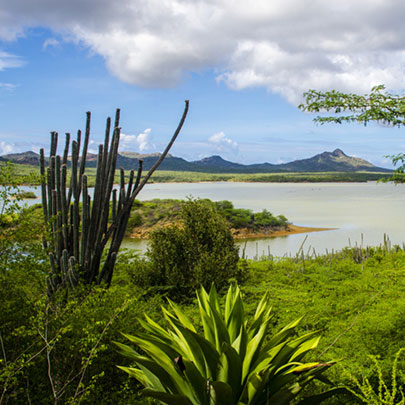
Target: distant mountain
(26,158)
(336,161)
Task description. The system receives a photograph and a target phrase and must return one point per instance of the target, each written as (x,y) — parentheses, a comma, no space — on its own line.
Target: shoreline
(245,233)
(291,230)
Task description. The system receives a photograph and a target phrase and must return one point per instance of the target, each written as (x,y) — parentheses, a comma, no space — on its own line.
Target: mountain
(330,162)
(336,161)
(26,158)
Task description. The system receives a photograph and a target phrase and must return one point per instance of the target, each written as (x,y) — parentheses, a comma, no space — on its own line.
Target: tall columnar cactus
(80,227)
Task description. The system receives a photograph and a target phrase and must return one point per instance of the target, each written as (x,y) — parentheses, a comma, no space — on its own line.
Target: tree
(378,106)
(199,251)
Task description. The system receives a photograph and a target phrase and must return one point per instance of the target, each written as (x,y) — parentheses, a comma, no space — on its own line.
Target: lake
(360,211)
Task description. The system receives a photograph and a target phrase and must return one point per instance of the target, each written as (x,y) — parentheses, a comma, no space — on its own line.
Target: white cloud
(50,42)
(6,148)
(285,46)
(223,144)
(7,86)
(141,143)
(8,60)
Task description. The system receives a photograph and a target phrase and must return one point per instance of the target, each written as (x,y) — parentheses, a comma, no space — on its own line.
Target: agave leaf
(181,316)
(213,298)
(167,348)
(161,365)
(127,351)
(154,348)
(287,352)
(305,347)
(262,306)
(154,328)
(152,371)
(253,386)
(287,331)
(139,375)
(212,320)
(319,398)
(235,319)
(204,308)
(240,343)
(262,314)
(167,398)
(184,346)
(221,393)
(230,301)
(305,373)
(199,350)
(266,358)
(253,350)
(230,370)
(197,382)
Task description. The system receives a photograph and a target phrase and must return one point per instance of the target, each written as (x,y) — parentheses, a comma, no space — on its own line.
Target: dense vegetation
(62,351)
(164,176)
(149,214)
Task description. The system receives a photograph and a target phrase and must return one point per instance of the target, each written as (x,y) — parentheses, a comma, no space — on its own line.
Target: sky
(243,65)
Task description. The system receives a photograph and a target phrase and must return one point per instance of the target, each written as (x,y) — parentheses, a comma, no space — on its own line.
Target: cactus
(79,228)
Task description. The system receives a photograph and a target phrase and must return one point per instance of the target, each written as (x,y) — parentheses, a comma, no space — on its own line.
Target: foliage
(232,363)
(354,298)
(163,212)
(19,225)
(379,105)
(265,219)
(199,252)
(10,196)
(27,195)
(385,394)
(53,354)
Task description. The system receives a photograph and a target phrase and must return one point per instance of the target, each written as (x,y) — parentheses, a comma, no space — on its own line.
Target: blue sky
(243,71)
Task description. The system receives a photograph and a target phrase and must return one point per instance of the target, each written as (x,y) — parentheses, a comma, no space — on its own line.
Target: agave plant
(234,362)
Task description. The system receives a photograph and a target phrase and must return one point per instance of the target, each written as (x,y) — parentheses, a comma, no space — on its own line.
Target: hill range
(336,161)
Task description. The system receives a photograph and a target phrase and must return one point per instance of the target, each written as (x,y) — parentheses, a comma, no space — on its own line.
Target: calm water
(371,209)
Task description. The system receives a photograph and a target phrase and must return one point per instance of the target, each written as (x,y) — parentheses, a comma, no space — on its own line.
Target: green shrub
(199,252)
(386,393)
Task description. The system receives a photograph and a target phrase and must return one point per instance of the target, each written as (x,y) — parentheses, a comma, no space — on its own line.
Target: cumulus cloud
(223,144)
(286,46)
(141,143)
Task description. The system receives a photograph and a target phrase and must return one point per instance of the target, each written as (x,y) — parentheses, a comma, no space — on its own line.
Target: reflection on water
(372,209)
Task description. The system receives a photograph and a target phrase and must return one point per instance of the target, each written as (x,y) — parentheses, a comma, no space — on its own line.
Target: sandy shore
(244,233)
(291,230)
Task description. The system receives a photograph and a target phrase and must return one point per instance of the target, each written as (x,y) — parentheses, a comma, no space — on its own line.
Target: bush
(266,219)
(197,253)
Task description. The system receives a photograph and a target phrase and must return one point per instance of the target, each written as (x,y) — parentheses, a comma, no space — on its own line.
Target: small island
(147,216)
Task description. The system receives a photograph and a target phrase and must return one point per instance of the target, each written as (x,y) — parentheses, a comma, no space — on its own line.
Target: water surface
(360,211)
